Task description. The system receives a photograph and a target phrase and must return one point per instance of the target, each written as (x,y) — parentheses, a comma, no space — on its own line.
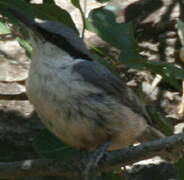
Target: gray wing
(101,77)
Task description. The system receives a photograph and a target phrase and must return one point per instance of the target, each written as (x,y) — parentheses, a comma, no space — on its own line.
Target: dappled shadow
(155,22)
(162,171)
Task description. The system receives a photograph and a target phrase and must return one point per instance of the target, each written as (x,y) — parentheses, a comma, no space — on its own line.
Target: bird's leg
(93,159)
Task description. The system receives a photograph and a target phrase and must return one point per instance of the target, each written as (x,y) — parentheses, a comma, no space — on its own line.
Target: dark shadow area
(16,135)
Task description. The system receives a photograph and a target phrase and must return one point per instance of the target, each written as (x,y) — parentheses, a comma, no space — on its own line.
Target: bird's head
(50,33)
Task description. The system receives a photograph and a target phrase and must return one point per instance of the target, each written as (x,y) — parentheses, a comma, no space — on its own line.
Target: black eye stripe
(62,43)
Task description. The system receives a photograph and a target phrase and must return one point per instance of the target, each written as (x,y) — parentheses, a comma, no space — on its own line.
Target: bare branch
(118,158)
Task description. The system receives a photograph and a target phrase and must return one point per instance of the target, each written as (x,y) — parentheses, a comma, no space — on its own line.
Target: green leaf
(49,1)
(49,146)
(162,123)
(111,176)
(48,11)
(132,59)
(102,21)
(4,28)
(25,44)
(54,13)
(19,5)
(179,168)
(98,52)
(169,72)
(76,3)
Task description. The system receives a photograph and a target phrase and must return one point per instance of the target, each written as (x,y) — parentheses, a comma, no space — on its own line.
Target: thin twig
(83,15)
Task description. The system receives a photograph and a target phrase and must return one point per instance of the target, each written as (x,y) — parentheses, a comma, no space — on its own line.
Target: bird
(78,99)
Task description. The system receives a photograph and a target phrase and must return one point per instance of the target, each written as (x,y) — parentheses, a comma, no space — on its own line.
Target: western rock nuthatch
(79,100)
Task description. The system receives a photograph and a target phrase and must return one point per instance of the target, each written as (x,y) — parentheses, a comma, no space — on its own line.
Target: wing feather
(101,77)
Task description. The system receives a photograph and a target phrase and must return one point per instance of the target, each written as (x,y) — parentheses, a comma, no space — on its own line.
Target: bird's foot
(91,160)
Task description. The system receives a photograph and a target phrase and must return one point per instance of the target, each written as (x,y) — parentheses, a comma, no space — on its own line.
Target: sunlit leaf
(180,28)
(25,44)
(4,28)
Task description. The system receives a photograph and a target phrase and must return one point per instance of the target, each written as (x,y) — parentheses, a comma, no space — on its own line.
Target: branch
(45,167)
